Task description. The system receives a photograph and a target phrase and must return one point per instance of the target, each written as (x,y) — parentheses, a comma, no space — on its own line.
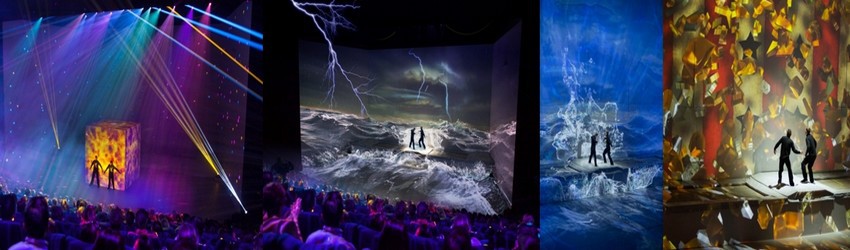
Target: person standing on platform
(95,171)
(421,138)
(607,150)
(787,146)
(412,144)
(593,142)
(809,160)
(111,170)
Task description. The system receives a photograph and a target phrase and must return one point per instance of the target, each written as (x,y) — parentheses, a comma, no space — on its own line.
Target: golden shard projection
(738,74)
(788,224)
(113,143)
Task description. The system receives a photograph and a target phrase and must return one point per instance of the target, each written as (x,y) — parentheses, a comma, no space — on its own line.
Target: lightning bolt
(327,19)
(421,69)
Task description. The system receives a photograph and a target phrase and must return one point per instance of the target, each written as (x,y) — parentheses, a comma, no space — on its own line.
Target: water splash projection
(583,116)
(597,184)
(327,19)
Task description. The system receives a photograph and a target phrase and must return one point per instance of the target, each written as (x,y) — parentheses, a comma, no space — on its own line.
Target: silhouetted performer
(111,169)
(421,138)
(95,171)
(607,150)
(785,153)
(592,150)
(811,154)
(412,142)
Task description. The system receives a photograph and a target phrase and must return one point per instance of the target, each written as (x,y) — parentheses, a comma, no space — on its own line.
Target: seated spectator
(393,237)
(527,234)
(8,206)
(460,236)
(330,236)
(36,219)
(108,240)
(187,238)
(274,197)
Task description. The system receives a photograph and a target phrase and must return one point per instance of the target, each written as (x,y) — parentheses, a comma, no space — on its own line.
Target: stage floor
(180,183)
(754,212)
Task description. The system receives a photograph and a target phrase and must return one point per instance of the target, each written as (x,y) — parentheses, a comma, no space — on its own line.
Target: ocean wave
(595,184)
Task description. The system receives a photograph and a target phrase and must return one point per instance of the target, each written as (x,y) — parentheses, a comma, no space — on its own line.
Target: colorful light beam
(165,86)
(216,45)
(208,63)
(235,25)
(225,34)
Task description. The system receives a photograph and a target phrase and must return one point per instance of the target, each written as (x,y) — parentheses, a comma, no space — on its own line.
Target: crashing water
(589,185)
(582,117)
(362,155)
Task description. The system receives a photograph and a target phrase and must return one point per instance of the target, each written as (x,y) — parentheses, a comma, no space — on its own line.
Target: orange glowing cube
(115,142)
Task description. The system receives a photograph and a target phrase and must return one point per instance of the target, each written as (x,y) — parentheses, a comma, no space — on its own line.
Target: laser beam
(235,25)
(208,63)
(167,89)
(225,34)
(330,18)
(216,45)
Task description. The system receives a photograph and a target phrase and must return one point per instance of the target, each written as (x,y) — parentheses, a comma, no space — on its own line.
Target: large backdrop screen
(411,124)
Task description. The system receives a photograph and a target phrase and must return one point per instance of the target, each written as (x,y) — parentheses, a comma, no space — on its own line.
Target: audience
(397,224)
(330,236)
(187,238)
(36,220)
(108,240)
(274,220)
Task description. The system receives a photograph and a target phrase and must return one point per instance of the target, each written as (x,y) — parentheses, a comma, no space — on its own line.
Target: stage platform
(581,166)
(754,209)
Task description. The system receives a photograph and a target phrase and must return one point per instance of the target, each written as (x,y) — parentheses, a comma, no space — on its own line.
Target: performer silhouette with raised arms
(412,144)
(607,150)
(593,142)
(811,154)
(787,146)
(95,171)
(111,169)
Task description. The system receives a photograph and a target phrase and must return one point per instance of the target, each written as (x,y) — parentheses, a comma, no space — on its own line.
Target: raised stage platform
(752,209)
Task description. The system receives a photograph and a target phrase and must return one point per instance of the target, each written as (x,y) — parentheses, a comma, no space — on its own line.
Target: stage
(751,209)
(181,183)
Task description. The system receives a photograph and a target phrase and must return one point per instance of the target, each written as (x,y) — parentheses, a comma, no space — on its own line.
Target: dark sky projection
(396,79)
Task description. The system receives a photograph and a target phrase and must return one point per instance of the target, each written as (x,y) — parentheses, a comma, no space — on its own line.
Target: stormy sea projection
(600,125)
(414,124)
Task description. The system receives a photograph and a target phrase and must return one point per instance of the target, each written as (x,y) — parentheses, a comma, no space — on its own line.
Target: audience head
(459,237)
(274,197)
(332,210)
(108,240)
(393,236)
(116,219)
(36,217)
(187,237)
(8,206)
